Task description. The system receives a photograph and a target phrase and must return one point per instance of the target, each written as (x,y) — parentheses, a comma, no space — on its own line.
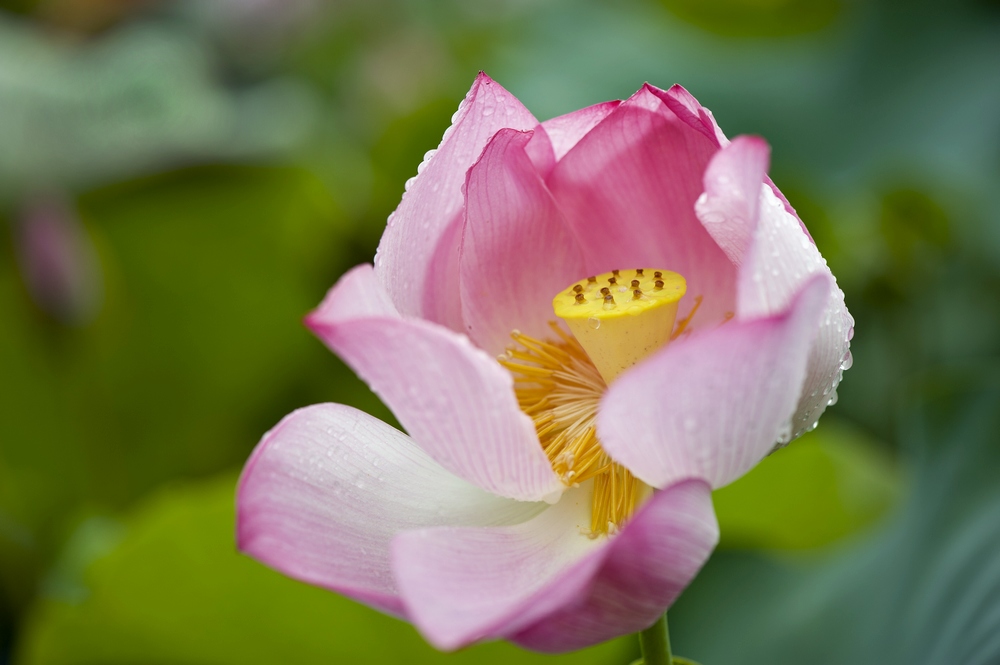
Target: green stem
(655,644)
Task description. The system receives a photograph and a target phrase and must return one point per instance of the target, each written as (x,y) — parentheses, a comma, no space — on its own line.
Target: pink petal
(327,489)
(455,400)
(566,130)
(776,256)
(713,405)
(540,151)
(780,259)
(683,104)
(544,583)
(687,108)
(628,190)
(729,206)
(645,568)
(517,252)
(416,238)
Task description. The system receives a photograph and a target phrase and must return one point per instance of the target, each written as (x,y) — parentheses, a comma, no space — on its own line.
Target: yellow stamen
(620,321)
(560,382)
(683,323)
(563,406)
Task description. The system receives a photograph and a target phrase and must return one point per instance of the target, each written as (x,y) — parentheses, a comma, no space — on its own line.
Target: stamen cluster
(559,387)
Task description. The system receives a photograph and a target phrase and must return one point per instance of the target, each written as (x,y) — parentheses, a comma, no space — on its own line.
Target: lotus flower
(554,485)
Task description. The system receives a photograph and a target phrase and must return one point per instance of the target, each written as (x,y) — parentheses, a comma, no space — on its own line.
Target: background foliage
(200,173)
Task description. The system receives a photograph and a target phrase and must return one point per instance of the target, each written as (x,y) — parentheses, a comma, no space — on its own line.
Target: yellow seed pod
(622,316)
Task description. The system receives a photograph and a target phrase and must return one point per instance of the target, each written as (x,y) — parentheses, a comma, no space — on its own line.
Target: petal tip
(754,141)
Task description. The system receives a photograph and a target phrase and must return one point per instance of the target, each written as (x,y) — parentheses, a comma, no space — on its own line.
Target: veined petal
(729,207)
(628,190)
(516,250)
(416,236)
(455,400)
(545,584)
(744,212)
(566,130)
(713,405)
(644,569)
(687,109)
(327,489)
(779,260)
(776,257)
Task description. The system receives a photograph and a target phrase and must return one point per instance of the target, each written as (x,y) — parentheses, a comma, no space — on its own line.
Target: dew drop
(833,399)
(785,433)
(847,362)
(594,322)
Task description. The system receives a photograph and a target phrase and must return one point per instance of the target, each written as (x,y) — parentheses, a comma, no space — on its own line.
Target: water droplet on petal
(594,322)
(784,433)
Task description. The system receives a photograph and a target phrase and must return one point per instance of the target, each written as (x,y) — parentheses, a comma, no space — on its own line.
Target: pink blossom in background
(465,525)
(58,260)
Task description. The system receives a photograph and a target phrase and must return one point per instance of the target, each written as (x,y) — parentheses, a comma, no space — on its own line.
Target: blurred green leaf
(80,114)
(825,485)
(198,350)
(923,591)
(176,591)
(758,18)
(911,217)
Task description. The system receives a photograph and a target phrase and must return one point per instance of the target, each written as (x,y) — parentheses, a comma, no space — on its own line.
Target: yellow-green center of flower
(616,320)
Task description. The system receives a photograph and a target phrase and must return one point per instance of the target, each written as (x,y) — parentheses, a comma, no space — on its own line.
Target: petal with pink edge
(327,489)
(687,109)
(416,236)
(643,571)
(516,251)
(713,405)
(566,130)
(455,400)
(628,190)
(544,583)
(779,260)
(729,206)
